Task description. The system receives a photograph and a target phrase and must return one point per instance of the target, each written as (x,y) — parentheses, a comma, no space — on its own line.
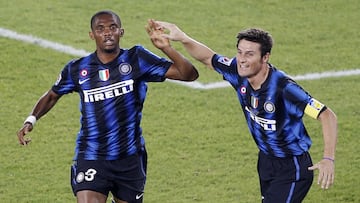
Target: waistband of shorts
(261,153)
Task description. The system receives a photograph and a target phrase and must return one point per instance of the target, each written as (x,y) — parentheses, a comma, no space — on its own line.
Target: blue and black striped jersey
(274,112)
(111,100)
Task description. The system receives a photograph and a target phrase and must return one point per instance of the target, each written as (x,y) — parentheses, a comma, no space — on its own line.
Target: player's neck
(107,57)
(257,80)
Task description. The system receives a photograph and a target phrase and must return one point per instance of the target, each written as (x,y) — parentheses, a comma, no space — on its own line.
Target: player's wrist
(30,119)
(185,39)
(167,49)
(329,158)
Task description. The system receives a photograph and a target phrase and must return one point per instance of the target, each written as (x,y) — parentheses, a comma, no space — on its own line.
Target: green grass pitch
(198,143)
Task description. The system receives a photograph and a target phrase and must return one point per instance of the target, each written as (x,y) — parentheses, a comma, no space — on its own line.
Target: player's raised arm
(44,104)
(196,49)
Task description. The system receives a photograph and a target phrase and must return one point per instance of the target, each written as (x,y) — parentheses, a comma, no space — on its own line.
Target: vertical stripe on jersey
(272,88)
(111,121)
(89,128)
(131,113)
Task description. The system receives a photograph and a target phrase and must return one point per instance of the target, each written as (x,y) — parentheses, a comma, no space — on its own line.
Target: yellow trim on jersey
(313,108)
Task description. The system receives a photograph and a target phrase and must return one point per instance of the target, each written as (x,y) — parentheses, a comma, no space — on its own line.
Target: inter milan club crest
(125,69)
(269,107)
(104,75)
(254,102)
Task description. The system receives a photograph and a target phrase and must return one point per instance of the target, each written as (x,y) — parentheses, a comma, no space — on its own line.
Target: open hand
(326,173)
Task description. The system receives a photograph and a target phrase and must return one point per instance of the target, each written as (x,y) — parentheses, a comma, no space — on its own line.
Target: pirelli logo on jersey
(267,124)
(110,91)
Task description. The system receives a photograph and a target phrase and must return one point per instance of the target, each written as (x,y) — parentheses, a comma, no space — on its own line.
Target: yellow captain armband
(314,108)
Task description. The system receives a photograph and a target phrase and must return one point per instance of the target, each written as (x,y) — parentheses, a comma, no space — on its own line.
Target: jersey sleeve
(153,66)
(298,101)
(226,67)
(64,84)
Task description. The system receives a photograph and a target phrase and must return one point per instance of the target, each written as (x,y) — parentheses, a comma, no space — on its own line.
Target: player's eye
(113,28)
(100,29)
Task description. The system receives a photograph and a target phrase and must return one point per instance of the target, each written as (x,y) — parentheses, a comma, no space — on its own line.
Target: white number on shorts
(89,174)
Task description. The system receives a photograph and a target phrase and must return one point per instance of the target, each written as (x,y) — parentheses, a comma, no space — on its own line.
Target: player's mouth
(243,66)
(108,42)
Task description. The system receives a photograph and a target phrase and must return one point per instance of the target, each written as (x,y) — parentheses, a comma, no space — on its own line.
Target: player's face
(106,32)
(249,60)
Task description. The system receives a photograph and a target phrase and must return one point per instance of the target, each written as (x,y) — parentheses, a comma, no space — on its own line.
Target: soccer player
(273,105)
(110,153)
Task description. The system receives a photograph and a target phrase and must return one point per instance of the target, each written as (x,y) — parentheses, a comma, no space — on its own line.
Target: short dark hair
(104,12)
(259,36)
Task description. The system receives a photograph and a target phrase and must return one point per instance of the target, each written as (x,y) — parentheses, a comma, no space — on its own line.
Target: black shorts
(284,180)
(124,178)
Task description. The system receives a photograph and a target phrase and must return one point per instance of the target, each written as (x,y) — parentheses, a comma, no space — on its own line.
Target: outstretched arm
(196,49)
(44,104)
(326,166)
(181,69)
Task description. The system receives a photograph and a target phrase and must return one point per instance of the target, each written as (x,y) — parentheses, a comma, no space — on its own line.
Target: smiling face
(249,59)
(106,31)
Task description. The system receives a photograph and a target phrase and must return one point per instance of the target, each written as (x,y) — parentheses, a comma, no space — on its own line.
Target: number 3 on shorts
(89,174)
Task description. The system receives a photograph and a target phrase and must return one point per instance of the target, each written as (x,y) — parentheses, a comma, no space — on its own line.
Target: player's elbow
(183,73)
(328,116)
(192,75)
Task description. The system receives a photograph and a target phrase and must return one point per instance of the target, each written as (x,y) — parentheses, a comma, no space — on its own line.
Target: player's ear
(91,35)
(122,31)
(266,57)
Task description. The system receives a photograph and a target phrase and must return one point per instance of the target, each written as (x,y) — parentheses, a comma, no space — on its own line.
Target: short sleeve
(298,101)
(153,66)
(226,67)
(64,84)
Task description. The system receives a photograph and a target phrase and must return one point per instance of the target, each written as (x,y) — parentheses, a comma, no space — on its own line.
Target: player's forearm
(329,128)
(44,104)
(198,50)
(186,70)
